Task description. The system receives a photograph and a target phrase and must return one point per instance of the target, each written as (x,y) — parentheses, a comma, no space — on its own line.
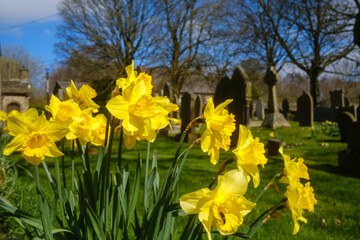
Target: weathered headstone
(358,111)
(347,102)
(259,113)
(222,91)
(285,108)
(337,99)
(198,106)
(187,114)
(345,120)
(305,110)
(274,118)
(273,147)
(349,159)
(168,92)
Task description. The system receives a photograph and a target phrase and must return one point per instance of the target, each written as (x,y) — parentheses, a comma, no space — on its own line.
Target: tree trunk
(314,87)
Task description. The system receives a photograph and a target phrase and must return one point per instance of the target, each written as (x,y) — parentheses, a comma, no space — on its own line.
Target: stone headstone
(273,147)
(271,78)
(337,99)
(358,111)
(345,120)
(187,114)
(198,106)
(274,118)
(222,91)
(259,113)
(321,114)
(285,108)
(347,102)
(305,110)
(349,159)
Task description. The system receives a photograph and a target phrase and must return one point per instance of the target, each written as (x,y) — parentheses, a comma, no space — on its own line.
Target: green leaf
(95,222)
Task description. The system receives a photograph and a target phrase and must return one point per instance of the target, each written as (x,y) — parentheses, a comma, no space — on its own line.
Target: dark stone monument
(345,120)
(285,108)
(198,106)
(273,147)
(187,114)
(222,91)
(260,112)
(305,110)
(358,111)
(337,99)
(274,118)
(349,159)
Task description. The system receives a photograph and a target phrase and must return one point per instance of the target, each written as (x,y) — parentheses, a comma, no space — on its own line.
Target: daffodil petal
(14,145)
(192,203)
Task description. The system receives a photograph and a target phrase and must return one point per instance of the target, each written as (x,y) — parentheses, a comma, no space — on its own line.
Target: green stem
(63,162)
(72,165)
(271,210)
(120,148)
(44,214)
(58,184)
(264,189)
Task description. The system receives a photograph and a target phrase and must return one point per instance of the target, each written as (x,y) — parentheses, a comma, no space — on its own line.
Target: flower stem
(221,169)
(44,214)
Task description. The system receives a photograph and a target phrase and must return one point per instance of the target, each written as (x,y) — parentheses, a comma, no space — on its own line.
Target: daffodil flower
(83,126)
(35,137)
(224,207)
(293,169)
(249,153)
(299,197)
(219,127)
(83,96)
(141,114)
(3,116)
(98,133)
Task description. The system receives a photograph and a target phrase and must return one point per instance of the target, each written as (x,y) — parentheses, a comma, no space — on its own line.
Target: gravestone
(345,120)
(347,102)
(259,113)
(198,106)
(187,114)
(358,111)
(274,118)
(305,110)
(349,159)
(167,92)
(285,108)
(337,99)
(222,91)
(273,146)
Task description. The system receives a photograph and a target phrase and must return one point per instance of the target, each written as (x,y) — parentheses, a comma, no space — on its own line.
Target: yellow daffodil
(293,169)
(123,83)
(35,137)
(299,197)
(219,127)
(141,114)
(98,133)
(83,126)
(272,134)
(63,111)
(224,207)
(249,153)
(3,116)
(82,96)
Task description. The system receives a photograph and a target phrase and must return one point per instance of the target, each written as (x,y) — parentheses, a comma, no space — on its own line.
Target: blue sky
(32,24)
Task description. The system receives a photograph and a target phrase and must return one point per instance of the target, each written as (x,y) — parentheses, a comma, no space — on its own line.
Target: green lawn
(336,216)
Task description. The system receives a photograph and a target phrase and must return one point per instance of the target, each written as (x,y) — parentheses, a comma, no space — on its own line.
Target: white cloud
(21,11)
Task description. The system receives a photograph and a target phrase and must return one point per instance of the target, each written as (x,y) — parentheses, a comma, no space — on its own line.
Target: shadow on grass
(332,169)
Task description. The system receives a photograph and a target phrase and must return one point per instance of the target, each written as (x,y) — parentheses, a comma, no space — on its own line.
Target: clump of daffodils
(139,116)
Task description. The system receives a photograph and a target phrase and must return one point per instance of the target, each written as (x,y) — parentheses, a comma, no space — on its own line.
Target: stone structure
(285,108)
(273,147)
(260,112)
(305,110)
(222,91)
(274,118)
(15,92)
(349,159)
(198,106)
(345,120)
(187,114)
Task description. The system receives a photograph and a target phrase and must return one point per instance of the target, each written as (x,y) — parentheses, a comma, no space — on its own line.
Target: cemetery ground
(336,215)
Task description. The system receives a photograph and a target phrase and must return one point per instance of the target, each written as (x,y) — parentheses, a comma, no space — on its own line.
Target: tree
(313,35)
(184,29)
(112,30)
(18,56)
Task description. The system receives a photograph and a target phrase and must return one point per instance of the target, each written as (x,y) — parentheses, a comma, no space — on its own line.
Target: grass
(336,215)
